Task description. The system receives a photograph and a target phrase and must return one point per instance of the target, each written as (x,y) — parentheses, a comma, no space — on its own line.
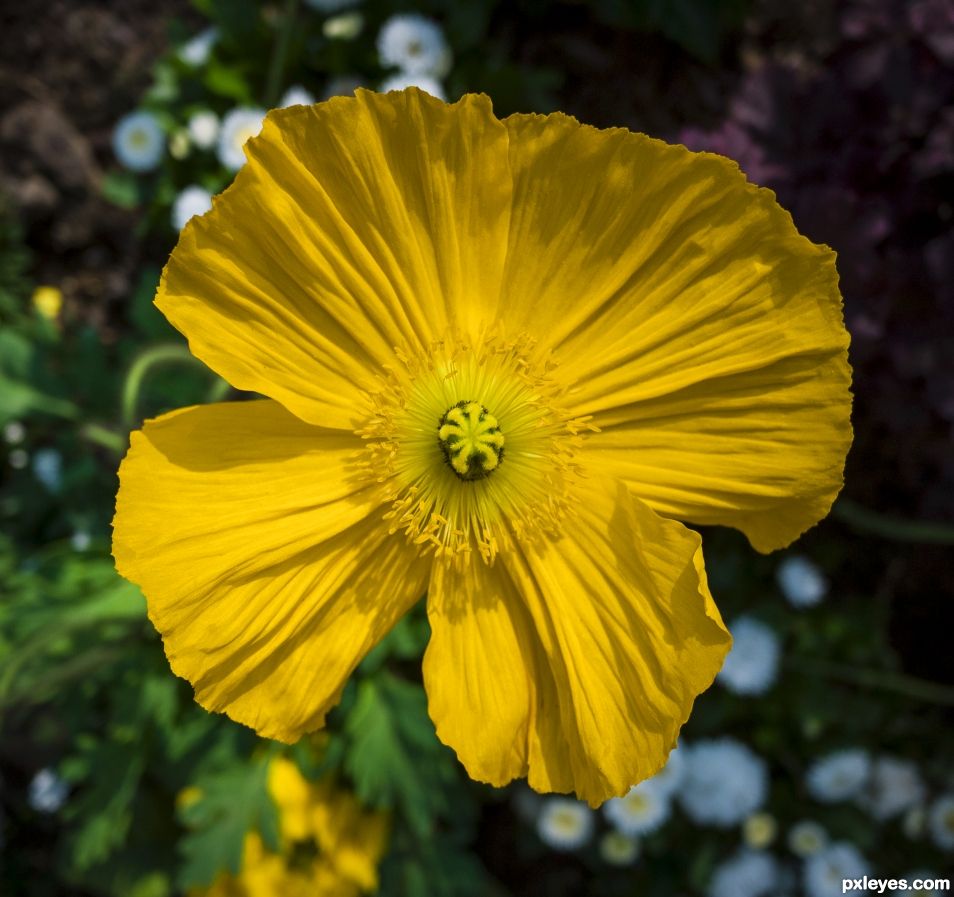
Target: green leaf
(233,802)
(227,81)
(394,756)
(121,188)
(104,807)
(17,396)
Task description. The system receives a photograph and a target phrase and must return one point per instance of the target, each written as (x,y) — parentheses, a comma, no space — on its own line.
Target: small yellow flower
(501,360)
(48,301)
(347,844)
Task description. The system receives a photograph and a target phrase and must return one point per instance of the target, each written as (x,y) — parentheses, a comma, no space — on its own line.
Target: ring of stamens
(456,494)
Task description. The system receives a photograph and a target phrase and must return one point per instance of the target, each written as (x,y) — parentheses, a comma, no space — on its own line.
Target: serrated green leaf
(233,802)
(394,756)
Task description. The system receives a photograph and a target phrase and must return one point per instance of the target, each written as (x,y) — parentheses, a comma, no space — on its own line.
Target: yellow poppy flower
(501,360)
(347,844)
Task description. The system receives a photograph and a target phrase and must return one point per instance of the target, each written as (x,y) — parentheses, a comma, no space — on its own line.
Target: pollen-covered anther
(471,440)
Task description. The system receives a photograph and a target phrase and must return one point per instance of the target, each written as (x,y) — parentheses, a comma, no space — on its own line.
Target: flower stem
(141,367)
(276,69)
(883,680)
(100,435)
(888,526)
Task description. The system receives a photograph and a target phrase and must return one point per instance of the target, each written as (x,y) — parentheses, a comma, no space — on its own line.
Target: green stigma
(470,438)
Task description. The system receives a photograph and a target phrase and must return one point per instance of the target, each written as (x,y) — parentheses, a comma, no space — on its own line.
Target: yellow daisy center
(470,438)
(437,439)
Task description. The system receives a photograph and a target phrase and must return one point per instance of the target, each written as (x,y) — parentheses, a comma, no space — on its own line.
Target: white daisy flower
(415,45)
(196,51)
(203,129)
(347,26)
(825,870)
(564,823)
(48,468)
(238,126)
(724,783)
(941,821)
(801,582)
(47,792)
(138,141)
(807,838)
(193,200)
(839,775)
(895,786)
(296,95)
(641,811)
(331,5)
(750,873)
(618,849)
(424,82)
(751,667)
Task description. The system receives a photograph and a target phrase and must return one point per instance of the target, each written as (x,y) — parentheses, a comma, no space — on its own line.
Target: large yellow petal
(689,317)
(575,661)
(358,225)
(263,557)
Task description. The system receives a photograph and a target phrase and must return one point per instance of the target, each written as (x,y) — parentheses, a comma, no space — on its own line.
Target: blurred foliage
(161,793)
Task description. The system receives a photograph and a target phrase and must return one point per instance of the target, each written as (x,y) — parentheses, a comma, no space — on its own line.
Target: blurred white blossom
(807,838)
(839,775)
(825,870)
(238,126)
(138,141)
(724,783)
(801,582)
(296,95)
(895,785)
(346,26)
(750,873)
(618,849)
(48,468)
(193,200)
(196,51)
(640,811)
(751,667)
(564,823)
(14,432)
(204,129)
(414,44)
(47,792)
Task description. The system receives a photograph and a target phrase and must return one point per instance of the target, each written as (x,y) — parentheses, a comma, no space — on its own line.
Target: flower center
(453,495)
(470,438)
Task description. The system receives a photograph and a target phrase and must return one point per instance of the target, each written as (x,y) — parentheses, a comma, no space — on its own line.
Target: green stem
(883,680)
(157,355)
(276,69)
(888,526)
(103,436)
